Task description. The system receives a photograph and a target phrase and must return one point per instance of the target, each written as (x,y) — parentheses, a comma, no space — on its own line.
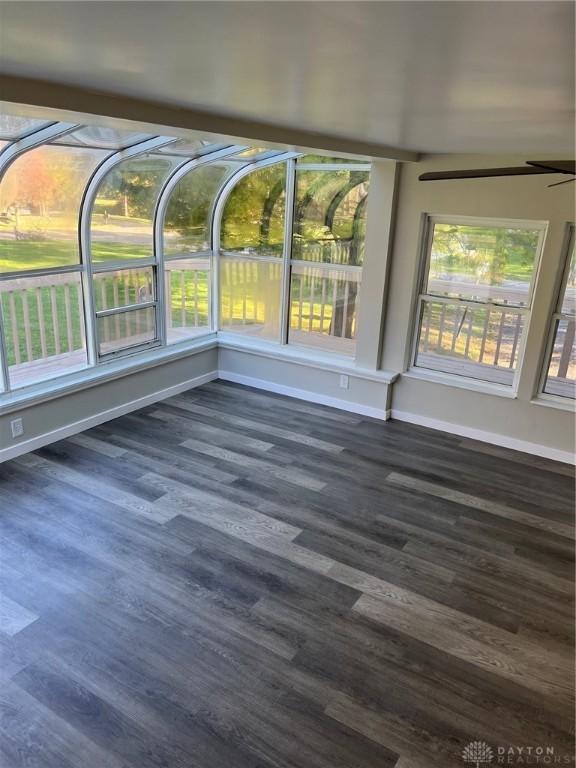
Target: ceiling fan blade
(481,173)
(558,183)
(557,166)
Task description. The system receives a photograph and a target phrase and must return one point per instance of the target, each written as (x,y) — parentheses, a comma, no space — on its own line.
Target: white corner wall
(521,422)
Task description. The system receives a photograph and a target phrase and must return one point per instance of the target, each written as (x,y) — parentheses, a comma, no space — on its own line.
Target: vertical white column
(379,230)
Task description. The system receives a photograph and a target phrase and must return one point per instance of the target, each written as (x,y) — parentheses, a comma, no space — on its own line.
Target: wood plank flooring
(234,579)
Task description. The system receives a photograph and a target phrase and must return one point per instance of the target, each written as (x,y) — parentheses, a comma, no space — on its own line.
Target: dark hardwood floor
(234,579)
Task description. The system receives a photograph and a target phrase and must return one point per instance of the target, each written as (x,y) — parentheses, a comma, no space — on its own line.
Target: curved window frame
(87,269)
(287,158)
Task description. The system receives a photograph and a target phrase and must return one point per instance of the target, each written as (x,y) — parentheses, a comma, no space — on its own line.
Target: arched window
(253,220)
(251,247)
(125,280)
(327,255)
(41,291)
(187,243)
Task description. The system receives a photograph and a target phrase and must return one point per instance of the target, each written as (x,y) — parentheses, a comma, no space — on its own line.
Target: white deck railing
(43,316)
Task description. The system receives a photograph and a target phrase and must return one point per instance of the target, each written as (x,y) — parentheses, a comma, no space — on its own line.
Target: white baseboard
(494,438)
(25,446)
(304,394)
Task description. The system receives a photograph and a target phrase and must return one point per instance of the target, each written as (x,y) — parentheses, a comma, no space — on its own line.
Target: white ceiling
(429,76)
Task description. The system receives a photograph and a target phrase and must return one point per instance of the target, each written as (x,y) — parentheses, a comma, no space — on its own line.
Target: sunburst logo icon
(477,753)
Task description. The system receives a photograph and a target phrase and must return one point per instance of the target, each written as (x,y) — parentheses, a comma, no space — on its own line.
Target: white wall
(67,414)
(462,411)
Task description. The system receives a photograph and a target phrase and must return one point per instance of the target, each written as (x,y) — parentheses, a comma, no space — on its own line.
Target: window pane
(43,327)
(569,298)
(483,263)
(122,219)
(561,379)
(125,329)
(40,199)
(478,342)
(192,147)
(323,306)
(187,298)
(13,127)
(250,292)
(329,216)
(99,136)
(187,221)
(253,220)
(123,288)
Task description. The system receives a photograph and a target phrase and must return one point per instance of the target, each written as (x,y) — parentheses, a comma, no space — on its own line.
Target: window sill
(325,361)
(554,401)
(90,377)
(460,382)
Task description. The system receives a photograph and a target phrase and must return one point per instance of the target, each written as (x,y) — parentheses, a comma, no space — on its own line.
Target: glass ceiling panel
(255,154)
(189,148)
(101,137)
(13,127)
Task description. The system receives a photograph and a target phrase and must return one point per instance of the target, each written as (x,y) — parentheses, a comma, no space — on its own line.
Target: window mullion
(287,253)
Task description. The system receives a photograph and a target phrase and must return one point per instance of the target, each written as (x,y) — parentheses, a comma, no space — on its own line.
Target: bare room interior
(287,384)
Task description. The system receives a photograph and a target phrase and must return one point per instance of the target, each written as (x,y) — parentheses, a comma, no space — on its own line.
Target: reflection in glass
(323,307)
(123,330)
(40,197)
(122,218)
(478,342)
(253,220)
(187,298)
(188,216)
(193,147)
(479,262)
(105,138)
(329,216)
(561,379)
(43,327)
(250,295)
(123,288)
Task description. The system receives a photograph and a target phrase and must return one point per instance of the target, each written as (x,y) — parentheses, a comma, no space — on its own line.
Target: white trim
(323,361)
(554,401)
(304,394)
(99,418)
(494,438)
(106,371)
(443,218)
(461,382)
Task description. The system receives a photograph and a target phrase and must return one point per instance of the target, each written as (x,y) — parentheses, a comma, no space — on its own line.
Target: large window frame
(97,298)
(289,264)
(423,298)
(288,160)
(557,316)
(87,268)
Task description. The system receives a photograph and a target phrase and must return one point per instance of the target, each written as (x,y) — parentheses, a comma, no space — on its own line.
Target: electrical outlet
(17,427)
(344,381)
